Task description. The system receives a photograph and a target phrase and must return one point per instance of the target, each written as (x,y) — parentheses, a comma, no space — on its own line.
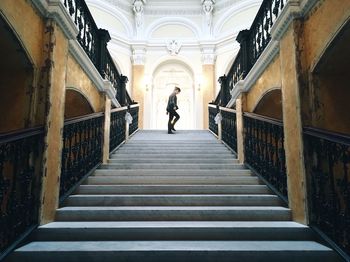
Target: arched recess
(330,85)
(165,77)
(16,82)
(76,104)
(270,104)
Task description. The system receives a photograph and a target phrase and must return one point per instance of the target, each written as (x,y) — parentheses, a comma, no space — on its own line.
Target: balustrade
(82,149)
(118,128)
(264,150)
(252,43)
(20,174)
(229,127)
(212,113)
(134,111)
(327,162)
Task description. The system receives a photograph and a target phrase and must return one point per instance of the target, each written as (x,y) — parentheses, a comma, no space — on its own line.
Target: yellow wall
(270,79)
(77,79)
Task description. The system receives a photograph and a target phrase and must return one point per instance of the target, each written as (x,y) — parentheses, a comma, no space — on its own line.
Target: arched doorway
(165,78)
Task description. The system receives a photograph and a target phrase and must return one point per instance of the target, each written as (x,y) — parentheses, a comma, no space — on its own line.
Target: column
(54,81)
(208,89)
(293,125)
(138,72)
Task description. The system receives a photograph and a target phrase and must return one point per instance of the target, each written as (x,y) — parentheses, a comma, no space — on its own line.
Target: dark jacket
(172,103)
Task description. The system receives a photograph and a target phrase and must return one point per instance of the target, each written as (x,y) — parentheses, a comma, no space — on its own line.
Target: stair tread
(175,224)
(62,246)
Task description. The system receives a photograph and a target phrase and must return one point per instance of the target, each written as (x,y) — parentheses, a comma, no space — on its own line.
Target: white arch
(234,10)
(111,10)
(166,58)
(172,21)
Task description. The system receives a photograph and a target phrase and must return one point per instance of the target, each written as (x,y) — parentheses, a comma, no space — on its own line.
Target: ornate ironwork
(134,111)
(212,125)
(264,150)
(253,41)
(229,128)
(82,149)
(20,172)
(88,35)
(327,162)
(118,128)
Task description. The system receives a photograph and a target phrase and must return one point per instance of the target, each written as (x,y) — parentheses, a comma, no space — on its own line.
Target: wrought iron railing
(253,43)
(229,127)
(118,128)
(264,150)
(94,42)
(134,111)
(327,162)
(20,173)
(82,149)
(213,110)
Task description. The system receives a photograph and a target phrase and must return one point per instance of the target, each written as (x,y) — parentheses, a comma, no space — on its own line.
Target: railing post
(240,103)
(104,38)
(242,39)
(219,125)
(122,95)
(223,83)
(107,130)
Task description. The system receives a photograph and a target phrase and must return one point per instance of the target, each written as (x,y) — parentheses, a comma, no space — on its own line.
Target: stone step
(174,156)
(176,145)
(171,166)
(172,200)
(172,172)
(173,230)
(157,213)
(221,150)
(171,179)
(172,161)
(180,151)
(174,251)
(173,189)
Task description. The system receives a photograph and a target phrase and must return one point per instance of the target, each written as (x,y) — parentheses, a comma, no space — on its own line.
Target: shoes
(173,128)
(169,132)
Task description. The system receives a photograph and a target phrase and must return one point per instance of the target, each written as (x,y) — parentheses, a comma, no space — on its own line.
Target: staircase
(165,198)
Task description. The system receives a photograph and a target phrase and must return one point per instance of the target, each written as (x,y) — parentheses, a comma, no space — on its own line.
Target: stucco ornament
(128,118)
(218,118)
(173,47)
(138,11)
(208,7)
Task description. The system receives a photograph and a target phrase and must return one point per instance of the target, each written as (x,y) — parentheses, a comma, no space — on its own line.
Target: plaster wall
(270,79)
(77,79)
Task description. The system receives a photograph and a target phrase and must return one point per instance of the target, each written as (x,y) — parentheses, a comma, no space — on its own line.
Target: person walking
(171,110)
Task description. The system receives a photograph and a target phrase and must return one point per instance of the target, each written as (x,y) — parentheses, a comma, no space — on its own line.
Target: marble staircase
(165,198)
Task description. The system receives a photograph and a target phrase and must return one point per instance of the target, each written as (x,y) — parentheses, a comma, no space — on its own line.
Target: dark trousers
(172,121)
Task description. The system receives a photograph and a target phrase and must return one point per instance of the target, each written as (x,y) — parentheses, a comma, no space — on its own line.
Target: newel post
(240,105)
(122,90)
(223,84)
(104,38)
(242,39)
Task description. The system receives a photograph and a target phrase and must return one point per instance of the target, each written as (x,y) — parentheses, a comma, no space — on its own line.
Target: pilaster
(293,137)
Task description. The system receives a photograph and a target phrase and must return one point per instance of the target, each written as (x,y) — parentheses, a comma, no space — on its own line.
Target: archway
(270,104)
(166,76)
(16,82)
(76,104)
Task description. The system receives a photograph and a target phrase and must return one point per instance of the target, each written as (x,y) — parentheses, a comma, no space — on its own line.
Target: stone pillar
(106,134)
(293,138)
(240,107)
(54,82)
(138,73)
(208,72)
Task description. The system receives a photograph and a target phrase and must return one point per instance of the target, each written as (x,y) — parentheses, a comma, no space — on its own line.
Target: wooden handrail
(82,118)
(264,118)
(327,135)
(20,134)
